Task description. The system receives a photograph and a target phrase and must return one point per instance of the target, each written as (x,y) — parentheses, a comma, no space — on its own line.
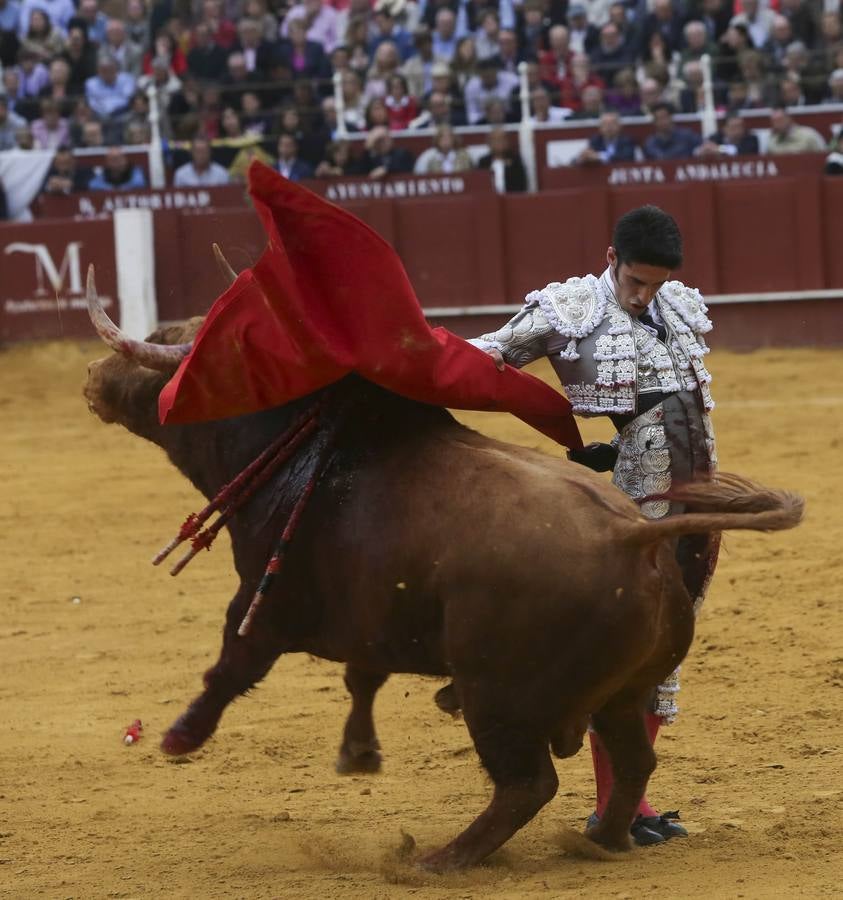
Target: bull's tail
(723,503)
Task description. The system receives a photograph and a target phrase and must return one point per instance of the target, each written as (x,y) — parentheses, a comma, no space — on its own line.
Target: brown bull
(428,548)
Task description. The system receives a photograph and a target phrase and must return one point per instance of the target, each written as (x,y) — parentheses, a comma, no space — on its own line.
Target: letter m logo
(49,277)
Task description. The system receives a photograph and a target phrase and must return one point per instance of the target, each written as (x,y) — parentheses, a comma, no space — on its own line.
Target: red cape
(328,297)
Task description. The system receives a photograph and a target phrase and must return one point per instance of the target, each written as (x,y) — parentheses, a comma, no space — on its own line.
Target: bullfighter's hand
(596,456)
(496,355)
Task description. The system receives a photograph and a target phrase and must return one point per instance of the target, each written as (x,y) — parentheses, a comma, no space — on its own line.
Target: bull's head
(124,386)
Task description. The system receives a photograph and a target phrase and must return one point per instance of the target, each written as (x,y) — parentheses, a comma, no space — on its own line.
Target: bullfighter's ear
(228,273)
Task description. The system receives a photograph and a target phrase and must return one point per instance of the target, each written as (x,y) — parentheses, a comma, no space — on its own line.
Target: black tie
(646,319)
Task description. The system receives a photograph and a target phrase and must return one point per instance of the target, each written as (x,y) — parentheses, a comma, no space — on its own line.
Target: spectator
(201,171)
(831,38)
(439,111)
(321,19)
(625,98)
(377,114)
(578,79)
(490,81)
(110,90)
(790,92)
(612,53)
(42,39)
(446,155)
(801,20)
(94,21)
(386,63)
(118,174)
(257,52)
(165,84)
(666,20)
(9,21)
(382,157)
(127,54)
(10,122)
(715,15)
(508,56)
(33,76)
(592,105)
(758,20)
(697,43)
(24,139)
(258,11)
(50,131)
(91,135)
(669,141)
(81,55)
(337,161)
(136,23)
(223,32)
(542,110)
(834,160)
(835,87)
(252,117)
(417,70)
(555,62)
(761,88)
(610,144)
(692,95)
(205,60)
(508,172)
(582,35)
(165,47)
(464,63)
(733,43)
(237,79)
(445,34)
(486,36)
(652,93)
(732,140)
(534,26)
(442,80)
(403,108)
(300,56)
(781,37)
(810,75)
(64,176)
(353,100)
(387,29)
(137,134)
(788,137)
(59,11)
(494,112)
(289,164)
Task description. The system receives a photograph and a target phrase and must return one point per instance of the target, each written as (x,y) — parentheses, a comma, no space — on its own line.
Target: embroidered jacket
(603,355)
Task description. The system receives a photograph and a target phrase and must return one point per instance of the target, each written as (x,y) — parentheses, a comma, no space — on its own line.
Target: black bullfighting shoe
(642,836)
(665,825)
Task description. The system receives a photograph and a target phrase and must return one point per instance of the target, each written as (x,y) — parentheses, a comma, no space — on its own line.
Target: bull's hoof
(359,760)
(447,700)
(177,742)
(439,862)
(597,833)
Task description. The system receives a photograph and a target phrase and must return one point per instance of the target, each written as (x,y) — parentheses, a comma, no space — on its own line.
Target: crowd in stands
(239,79)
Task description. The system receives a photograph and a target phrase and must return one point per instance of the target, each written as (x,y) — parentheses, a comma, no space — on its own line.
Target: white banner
(22,172)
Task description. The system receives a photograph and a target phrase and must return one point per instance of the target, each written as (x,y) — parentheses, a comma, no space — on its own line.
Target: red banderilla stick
(195,521)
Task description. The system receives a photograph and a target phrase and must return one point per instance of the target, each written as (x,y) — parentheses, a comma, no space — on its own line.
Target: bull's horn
(228,273)
(164,357)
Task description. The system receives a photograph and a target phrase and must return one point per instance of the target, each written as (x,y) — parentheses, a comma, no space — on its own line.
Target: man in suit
(289,165)
(732,140)
(609,145)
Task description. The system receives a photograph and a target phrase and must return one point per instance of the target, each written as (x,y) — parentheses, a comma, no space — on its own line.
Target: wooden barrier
(476,253)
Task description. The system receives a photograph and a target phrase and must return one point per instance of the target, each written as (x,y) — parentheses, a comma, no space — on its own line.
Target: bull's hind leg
(243,662)
(513,747)
(359,749)
(622,729)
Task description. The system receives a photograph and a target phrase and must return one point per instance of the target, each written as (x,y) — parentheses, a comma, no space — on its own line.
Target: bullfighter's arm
(522,340)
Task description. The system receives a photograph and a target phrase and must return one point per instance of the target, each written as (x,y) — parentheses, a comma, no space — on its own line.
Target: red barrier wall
(481,249)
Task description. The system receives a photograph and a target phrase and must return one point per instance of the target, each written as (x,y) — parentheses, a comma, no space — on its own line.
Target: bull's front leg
(359,751)
(243,662)
(623,732)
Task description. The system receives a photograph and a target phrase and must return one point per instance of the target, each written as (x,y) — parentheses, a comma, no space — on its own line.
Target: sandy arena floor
(93,637)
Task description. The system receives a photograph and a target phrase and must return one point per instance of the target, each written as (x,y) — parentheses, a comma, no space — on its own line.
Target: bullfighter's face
(635,283)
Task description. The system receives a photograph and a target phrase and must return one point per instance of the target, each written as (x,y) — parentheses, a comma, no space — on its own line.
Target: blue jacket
(623,150)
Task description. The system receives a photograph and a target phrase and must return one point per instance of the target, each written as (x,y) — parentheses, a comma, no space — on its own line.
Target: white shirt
(187,176)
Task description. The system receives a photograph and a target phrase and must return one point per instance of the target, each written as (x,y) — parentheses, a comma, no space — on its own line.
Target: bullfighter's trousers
(671,443)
